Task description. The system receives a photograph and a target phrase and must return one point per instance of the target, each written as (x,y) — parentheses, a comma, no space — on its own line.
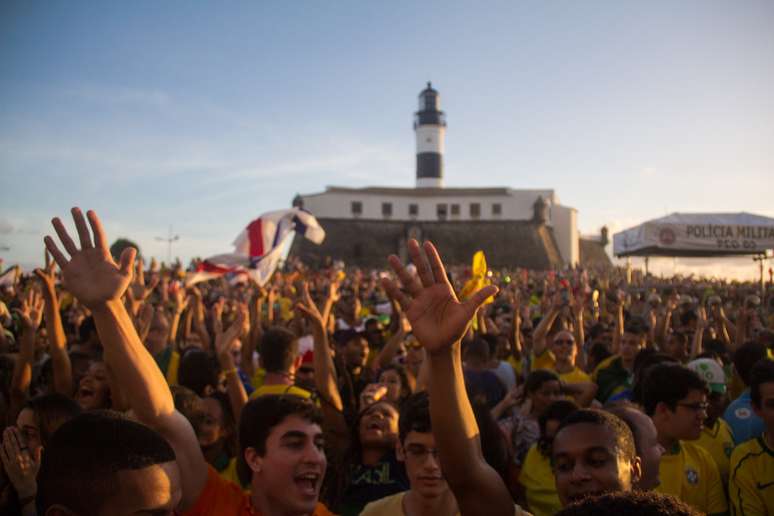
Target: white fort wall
(514,205)
(518,205)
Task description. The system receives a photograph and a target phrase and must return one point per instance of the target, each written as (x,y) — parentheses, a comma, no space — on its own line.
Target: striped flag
(258,248)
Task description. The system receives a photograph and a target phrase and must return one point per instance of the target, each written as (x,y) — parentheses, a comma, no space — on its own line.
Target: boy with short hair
(593,453)
(751,485)
(676,400)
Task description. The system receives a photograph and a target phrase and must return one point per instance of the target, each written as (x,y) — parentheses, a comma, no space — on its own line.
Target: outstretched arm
(98,282)
(31,312)
(224,345)
(439,321)
(541,332)
(57,342)
(324,369)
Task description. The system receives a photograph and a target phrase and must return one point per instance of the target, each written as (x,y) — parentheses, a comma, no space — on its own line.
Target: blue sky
(203,115)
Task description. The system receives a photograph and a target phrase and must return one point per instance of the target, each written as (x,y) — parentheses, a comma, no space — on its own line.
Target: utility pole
(169,240)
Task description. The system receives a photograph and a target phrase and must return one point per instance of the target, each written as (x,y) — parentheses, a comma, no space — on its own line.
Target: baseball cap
(711,372)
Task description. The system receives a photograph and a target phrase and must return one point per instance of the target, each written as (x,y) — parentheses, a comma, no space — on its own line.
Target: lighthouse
(430,129)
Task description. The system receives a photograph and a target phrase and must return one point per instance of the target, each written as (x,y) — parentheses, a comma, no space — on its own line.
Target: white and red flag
(258,248)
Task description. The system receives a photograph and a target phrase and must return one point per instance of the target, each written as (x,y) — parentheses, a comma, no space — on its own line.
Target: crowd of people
(412,390)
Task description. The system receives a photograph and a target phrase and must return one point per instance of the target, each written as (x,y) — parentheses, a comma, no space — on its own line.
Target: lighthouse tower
(430,128)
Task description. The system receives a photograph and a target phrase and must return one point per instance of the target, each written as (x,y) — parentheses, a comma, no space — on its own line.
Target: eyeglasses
(696,407)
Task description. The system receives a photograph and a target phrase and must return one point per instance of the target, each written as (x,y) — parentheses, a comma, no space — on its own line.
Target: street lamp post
(169,240)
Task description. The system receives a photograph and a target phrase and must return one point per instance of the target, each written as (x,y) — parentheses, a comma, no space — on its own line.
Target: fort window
(497,209)
(441,209)
(475,210)
(387,209)
(455,209)
(357,208)
(413,210)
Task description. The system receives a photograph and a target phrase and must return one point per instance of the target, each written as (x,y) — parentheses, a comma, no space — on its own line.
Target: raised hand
(31,311)
(47,276)
(90,273)
(19,463)
(179,299)
(225,341)
(371,394)
(437,317)
(334,291)
(309,309)
(139,290)
(217,315)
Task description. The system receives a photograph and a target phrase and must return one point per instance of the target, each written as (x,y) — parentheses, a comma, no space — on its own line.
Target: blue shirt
(744,424)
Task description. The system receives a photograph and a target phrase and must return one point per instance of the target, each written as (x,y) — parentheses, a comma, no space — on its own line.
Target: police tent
(697,235)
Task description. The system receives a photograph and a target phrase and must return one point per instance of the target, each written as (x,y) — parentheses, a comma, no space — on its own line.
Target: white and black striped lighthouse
(430,128)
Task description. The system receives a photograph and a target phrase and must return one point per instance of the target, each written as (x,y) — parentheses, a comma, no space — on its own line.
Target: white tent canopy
(697,234)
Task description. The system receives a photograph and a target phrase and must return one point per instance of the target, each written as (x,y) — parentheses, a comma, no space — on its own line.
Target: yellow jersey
(538,480)
(257,380)
(690,474)
(517,365)
(277,389)
(545,360)
(718,441)
(575,376)
(751,485)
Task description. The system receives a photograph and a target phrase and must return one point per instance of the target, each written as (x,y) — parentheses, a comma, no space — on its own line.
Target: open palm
(438,319)
(90,274)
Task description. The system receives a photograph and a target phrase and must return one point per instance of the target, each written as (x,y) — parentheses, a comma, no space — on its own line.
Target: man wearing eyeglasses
(675,398)
(429,492)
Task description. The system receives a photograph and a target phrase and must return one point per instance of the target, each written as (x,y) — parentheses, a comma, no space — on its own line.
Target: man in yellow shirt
(716,436)
(676,400)
(280,360)
(559,352)
(751,484)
